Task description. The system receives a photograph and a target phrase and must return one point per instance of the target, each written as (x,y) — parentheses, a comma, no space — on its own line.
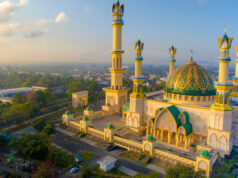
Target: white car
(74,170)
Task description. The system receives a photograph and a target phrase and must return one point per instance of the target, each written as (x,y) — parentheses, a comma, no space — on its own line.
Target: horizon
(68,32)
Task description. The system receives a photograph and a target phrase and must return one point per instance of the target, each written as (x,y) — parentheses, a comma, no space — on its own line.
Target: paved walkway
(127,171)
(156,168)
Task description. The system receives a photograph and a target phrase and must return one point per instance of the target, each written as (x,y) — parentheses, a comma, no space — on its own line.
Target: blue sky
(39,31)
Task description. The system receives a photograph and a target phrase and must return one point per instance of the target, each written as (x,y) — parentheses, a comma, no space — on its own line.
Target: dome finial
(225,30)
(191,55)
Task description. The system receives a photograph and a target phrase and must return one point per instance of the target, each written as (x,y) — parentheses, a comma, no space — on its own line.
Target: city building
(107,163)
(79,99)
(192,122)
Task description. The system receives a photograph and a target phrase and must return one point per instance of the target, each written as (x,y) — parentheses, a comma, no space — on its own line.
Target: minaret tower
(116,95)
(223,86)
(172,52)
(234,93)
(135,116)
(220,121)
(138,78)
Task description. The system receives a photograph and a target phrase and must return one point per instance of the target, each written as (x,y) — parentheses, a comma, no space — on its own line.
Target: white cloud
(86,10)
(62,17)
(35,33)
(42,22)
(8,30)
(7,8)
(23,2)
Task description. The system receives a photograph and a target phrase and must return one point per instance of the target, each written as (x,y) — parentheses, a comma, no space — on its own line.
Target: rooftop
(107,160)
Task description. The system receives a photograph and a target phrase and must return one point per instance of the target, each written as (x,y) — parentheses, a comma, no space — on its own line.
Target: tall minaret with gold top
(234,93)
(220,121)
(135,115)
(138,78)
(223,86)
(116,95)
(172,52)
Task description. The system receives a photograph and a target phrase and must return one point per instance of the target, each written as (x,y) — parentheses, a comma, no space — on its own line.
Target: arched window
(192,98)
(213,141)
(198,98)
(186,98)
(222,144)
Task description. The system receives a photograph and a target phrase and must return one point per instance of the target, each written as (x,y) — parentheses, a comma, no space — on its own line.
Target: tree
(3,141)
(40,97)
(49,96)
(49,129)
(39,125)
(60,158)
(86,171)
(31,146)
(182,171)
(45,170)
(18,98)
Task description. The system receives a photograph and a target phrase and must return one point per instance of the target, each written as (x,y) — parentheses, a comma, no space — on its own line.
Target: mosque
(194,109)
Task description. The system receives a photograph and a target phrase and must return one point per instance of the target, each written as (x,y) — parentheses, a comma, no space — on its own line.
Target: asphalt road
(75,146)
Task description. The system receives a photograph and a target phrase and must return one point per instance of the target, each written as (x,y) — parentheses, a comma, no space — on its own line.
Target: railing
(97,114)
(128,144)
(96,133)
(159,154)
(75,124)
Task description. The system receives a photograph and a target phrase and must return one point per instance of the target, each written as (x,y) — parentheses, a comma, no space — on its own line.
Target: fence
(162,154)
(95,132)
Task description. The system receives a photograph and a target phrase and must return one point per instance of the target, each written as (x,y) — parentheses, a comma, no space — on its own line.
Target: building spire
(191,55)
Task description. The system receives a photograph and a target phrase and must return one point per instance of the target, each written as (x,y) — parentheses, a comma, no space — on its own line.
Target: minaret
(116,95)
(137,96)
(138,78)
(117,23)
(234,93)
(223,86)
(172,52)
(220,121)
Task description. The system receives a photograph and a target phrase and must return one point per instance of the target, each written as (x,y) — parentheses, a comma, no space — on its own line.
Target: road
(75,146)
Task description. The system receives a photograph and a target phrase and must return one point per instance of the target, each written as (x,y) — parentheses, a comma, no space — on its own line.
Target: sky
(66,31)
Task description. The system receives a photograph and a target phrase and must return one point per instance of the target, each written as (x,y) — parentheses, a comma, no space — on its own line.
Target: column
(169,137)
(177,139)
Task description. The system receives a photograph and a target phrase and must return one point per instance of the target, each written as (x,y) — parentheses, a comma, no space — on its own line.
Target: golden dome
(190,79)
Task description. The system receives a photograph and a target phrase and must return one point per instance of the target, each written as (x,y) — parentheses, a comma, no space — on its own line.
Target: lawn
(222,167)
(133,155)
(87,155)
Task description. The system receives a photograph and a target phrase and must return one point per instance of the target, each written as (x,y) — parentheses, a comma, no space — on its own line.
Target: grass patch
(87,155)
(62,125)
(222,167)
(133,155)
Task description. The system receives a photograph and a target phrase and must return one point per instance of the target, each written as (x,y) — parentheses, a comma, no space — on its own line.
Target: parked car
(74,170)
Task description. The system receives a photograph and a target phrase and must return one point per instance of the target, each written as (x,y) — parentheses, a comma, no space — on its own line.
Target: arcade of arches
(170,126)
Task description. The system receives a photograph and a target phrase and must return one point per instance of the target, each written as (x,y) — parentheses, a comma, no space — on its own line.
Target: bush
(39,125)
(62,125)
(87,155)
(182,171)
(147,159)
(59,157)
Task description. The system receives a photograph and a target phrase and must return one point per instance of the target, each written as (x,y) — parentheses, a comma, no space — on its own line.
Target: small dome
(85,118)
(88,108)
(67,112)
(190,79)
(110,126)
(205,154)
(150,138)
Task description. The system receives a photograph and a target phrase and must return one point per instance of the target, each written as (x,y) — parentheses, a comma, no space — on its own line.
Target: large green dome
(190,79)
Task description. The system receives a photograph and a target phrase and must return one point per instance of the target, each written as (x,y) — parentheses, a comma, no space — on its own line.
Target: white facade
(107,163)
